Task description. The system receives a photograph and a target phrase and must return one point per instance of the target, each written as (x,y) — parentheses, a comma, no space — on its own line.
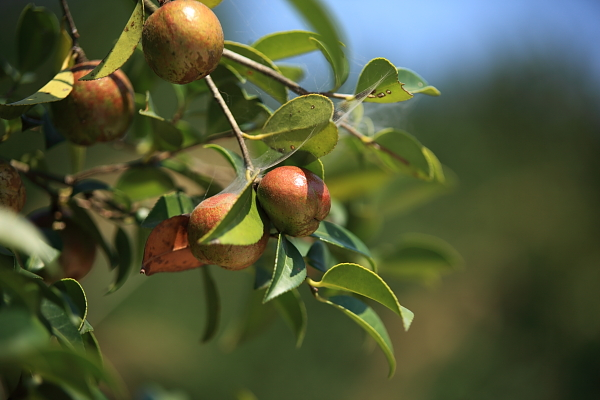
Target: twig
(149,7)
(73,31)
(234,126)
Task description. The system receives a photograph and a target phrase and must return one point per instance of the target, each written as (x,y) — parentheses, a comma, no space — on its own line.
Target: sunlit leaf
(289,271)
(293,311)
(291,72)
(414,83)
(366,317)
(402,152)
(37,33)
(124,48)
(339,236)
(167,248)
(213,305)
(145,182)
(168,206)
(388,88)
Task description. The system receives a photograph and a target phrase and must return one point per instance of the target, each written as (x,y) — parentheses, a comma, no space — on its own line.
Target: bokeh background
(518,123)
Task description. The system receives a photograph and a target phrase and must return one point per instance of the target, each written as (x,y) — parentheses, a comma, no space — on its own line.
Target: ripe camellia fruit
(183,41)
(78,247)
(204,217)
(95,111)
(12,191)
(295,199)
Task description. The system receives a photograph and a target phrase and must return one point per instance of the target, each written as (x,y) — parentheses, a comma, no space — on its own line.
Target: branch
(73,31)
(239,135)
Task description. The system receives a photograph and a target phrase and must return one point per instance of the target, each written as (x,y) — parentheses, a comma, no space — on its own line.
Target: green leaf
(125,259)
(75,297)
(37,33)
(92,347)
(414,83)
(213,305)
(384,74)
(168,206)
(358,279)
(291,72)
(165,135)
(124,48)
(20,333)
(274,89)
(8,127)
(304,121)
(140,183)
(243,224)
(293,311)
(319,19)
(57,89)
(183,169)
(234,159)
(366,317)
(63,327)
(319,256)
(338,236)
(23,289)
(289,271)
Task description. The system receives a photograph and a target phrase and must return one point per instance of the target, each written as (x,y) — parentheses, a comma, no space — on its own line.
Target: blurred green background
(520,128)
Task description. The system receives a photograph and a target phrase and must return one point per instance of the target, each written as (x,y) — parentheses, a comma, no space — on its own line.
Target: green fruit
(295,199)
(183,41)
(12,191)
(95,111)
(78,247)
(204,217)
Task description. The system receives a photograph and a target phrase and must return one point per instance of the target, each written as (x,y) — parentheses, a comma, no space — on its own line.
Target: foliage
(46,343)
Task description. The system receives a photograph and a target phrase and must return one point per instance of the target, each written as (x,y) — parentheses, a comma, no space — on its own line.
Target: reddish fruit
(183,41)
(12,191)
(95,111)
(204,217)
(78,247)
(295,199)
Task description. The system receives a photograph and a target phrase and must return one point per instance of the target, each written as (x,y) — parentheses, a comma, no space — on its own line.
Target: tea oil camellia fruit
(183,41)
(295,199)
(12,191)
(78,247)
(229,256)
(95,111)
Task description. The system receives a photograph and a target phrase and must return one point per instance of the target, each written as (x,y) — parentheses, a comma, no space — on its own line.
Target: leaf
(125,259)
(124,48)
(318,18)
(385,74)
(304,121)
(242,225)
(319,256)
(338,236)
(366,317)
(414,83)
(289,271)
(358,279)
(20,333)
(167,206)
(37,34)
(75,296)
(8,127)
(291,72)
(286,44)
(62,325)
(213,305)
(57,89)
(140,183)
(92,347)
(273,88)
(293,311)
(166,136)
(167,248)
(236,161)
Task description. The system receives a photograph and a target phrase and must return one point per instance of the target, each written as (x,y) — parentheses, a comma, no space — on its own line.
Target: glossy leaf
(242,225)
(20,333)
(319,19)
(289,271)
(384,74)
(341,237)
(122,245)
(304,121)
(414,83)
(213,305)
(293,311)
(167,248)
(287,44)
(167,206)
(145,182)
(234,159)
(358,279)
(319,256)
(123,48)
(57,89)
(366,317)
(37,34)
(268,85)
(75,296)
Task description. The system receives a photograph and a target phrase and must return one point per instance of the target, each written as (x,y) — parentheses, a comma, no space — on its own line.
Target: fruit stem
(234,126)
(73,31)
